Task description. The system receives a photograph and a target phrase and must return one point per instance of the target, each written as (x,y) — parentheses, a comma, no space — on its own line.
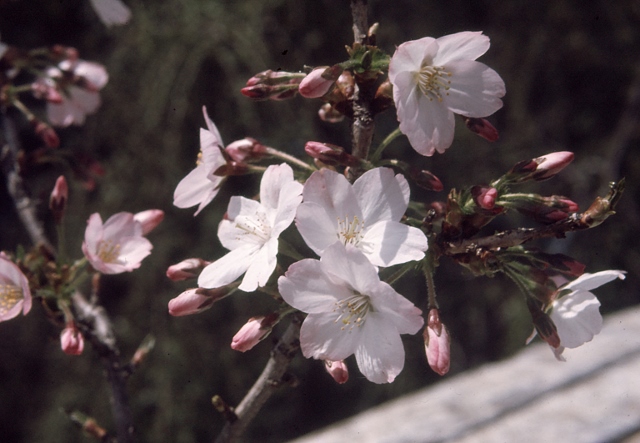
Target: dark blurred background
(573,83)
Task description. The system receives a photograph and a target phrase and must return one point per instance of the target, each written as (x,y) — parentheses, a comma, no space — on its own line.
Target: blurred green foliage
(571,71)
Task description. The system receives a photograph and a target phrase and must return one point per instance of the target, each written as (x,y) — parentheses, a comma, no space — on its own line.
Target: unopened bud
(315,85)
(186,269)
(270,77)
(71,340)
(540,168)
(484,196)
(330,154)
(149,219)
(437,343)
(425,179)
(267,92)
(46,133)
(337,370)
(256,329)
(58,199)
(545,210)
(247,148)
(346,84)
(194,301)
(482,127)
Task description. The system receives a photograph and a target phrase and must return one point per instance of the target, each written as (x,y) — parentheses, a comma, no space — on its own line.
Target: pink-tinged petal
(349,265)
(333,192)
(475,89)
(410,55)
(242,206)
(121,225)
(133,250)
(15,295)
(212,127)
(149,219)
(380,354)
(64,114)
(388,243)
(227,269)
(196,189)
(262,265)
(460,46)
(95,73)
(316,226)
(306,287)
(404,315)
(587,282)
(431,129)
(324,338)
(577,318)
(111,12)
(274,178)
(93,233)
(382,195)
(86,101)
(288,203)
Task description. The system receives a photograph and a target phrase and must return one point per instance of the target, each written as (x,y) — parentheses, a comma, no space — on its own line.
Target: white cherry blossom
(111,12)
(251,232)
(576,312)
(435,78)
(365,215)
(202,184)
(350,312)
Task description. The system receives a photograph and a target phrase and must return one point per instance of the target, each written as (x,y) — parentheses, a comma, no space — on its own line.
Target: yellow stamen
(108,252)
(10,295)
(432,81)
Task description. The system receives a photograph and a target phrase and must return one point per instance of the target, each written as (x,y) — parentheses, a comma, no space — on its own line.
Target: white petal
(111,12)
(212,128)
(410,55)
(243,206)
(211,150)
(381,195)
(95,73)
(403,314)
(261,267)
(323,338)
(460,46)
(475,89)
(227,269)
(333,192)
(84,100)
(133,250)
(380,354)
(121,225)
(349,265)
(430,129)
(273,179)
(587,282)
(577,318)
(389,243)
(316,226)
(307,287)
(196,188)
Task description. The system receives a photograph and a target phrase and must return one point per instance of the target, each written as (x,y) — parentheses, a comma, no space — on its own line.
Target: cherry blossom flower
(576,311)
(202,184)
(15,295)
(365,215)
(111,12)
(435,78)
(117,245)
(251,232)
(78,82)
(350,312)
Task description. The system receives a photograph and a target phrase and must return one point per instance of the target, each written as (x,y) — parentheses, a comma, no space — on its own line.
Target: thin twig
(266,385)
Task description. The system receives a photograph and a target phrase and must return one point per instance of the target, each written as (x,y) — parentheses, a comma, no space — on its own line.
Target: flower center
(433,82)
(352,311)
(350,231)
(255,226)
(108,252)
(9,296)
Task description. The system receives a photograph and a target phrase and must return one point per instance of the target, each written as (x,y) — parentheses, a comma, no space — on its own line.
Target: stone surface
(593,397)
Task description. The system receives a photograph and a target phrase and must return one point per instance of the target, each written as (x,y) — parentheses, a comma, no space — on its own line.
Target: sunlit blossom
(251,232)
(202,184)
(117,245)
(350,312)
(366,215)
(435,78)
(15,295)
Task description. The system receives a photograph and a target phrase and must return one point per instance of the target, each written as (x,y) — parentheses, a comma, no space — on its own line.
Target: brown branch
(359,17)
(513,237)
(24,205)
(272,377)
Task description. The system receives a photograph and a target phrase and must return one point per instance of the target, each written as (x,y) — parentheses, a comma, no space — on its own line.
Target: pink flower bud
(71,340)
(149,219)
(314,85)
(337,370)
(196,300)
(46,133)
(437,343)
(186,269)
(425,179)
(241,150)
(484,196)
(253,331)
(482,127)
(329,154)
(550,164)
(58,199)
